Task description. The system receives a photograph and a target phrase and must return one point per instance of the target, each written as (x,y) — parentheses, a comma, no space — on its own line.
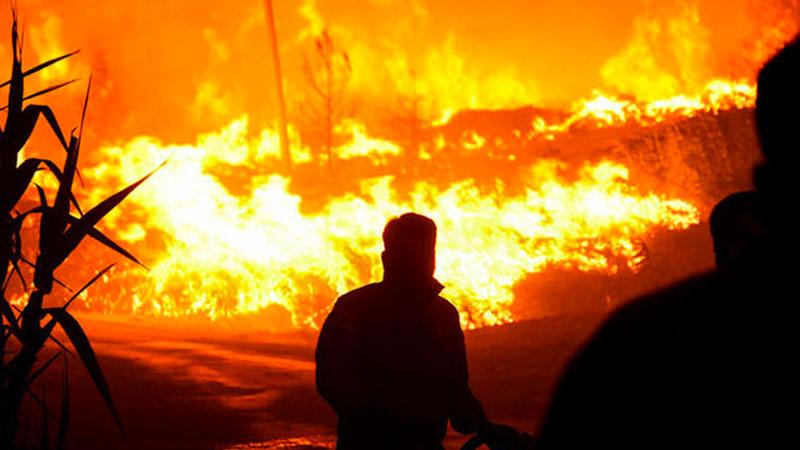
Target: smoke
(181,67)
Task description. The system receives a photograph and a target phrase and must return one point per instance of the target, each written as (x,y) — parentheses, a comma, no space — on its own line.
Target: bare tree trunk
(329,111)
(286,154)
(796,17)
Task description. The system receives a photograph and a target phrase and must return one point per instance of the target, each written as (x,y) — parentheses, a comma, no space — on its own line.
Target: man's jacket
(392,364)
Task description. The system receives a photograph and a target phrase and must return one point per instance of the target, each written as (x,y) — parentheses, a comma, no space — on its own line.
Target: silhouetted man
(391,359)
(739,232)
(709,362)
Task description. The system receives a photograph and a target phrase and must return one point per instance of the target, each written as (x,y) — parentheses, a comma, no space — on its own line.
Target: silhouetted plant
(26,329)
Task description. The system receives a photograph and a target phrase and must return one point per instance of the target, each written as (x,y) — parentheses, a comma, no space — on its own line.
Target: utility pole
(796,17)
(283,133)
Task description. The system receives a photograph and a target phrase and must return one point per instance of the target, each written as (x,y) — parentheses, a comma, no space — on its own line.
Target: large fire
(227,230)
(228,254)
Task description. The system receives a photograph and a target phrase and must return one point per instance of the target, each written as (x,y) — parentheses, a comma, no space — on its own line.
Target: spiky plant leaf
(48,114)
(43,92)
(63,423)
(35,374)
(42,198)
(84,109)
(11,318)
(40,402)
(86,286)
(21,180)
(98,235)
(16,89)
(85,352)
(45,442)
(16,269)
(42,66)
(24,176)
(51,337)
(80,229)
(26,122)
(61,345)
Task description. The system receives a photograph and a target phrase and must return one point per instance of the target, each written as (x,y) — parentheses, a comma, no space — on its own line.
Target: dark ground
(181,386)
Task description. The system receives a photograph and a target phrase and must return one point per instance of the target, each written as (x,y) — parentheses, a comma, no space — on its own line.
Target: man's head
(738,230)
(409,243)
(777,106)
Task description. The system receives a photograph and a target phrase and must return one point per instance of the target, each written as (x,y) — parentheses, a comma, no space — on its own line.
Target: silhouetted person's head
(409,254)
(778,126)
(738,230)
(777,106)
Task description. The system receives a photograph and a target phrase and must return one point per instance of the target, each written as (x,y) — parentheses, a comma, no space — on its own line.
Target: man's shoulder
(691,294)
(359,295)
(444,307)
(352,305)
(644,328)
(676,309)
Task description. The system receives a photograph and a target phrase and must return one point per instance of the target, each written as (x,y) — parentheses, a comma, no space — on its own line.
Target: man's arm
(336,376)
(466,412)
(467,415)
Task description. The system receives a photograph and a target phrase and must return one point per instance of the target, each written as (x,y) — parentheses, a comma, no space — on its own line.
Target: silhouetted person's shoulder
(684,365)
(363,293)
(662,311)
(446,309)
(660,319)
(358,298)
(373,297)
(636,334)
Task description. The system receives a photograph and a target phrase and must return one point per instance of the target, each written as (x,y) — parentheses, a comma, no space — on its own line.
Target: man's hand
(501,437)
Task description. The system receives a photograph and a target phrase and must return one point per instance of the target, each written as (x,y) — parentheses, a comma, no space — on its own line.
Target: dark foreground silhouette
(708,362)
(739,232)
(391,359)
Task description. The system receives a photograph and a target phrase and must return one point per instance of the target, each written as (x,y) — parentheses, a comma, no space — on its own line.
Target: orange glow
(225,232)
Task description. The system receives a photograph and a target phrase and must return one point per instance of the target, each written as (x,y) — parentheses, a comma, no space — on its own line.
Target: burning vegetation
(521,181)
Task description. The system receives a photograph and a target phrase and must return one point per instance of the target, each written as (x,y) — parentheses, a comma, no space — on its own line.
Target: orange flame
(228,254)
(604,110)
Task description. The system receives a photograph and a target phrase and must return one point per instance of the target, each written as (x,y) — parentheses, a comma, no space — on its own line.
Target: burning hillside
(222,241)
